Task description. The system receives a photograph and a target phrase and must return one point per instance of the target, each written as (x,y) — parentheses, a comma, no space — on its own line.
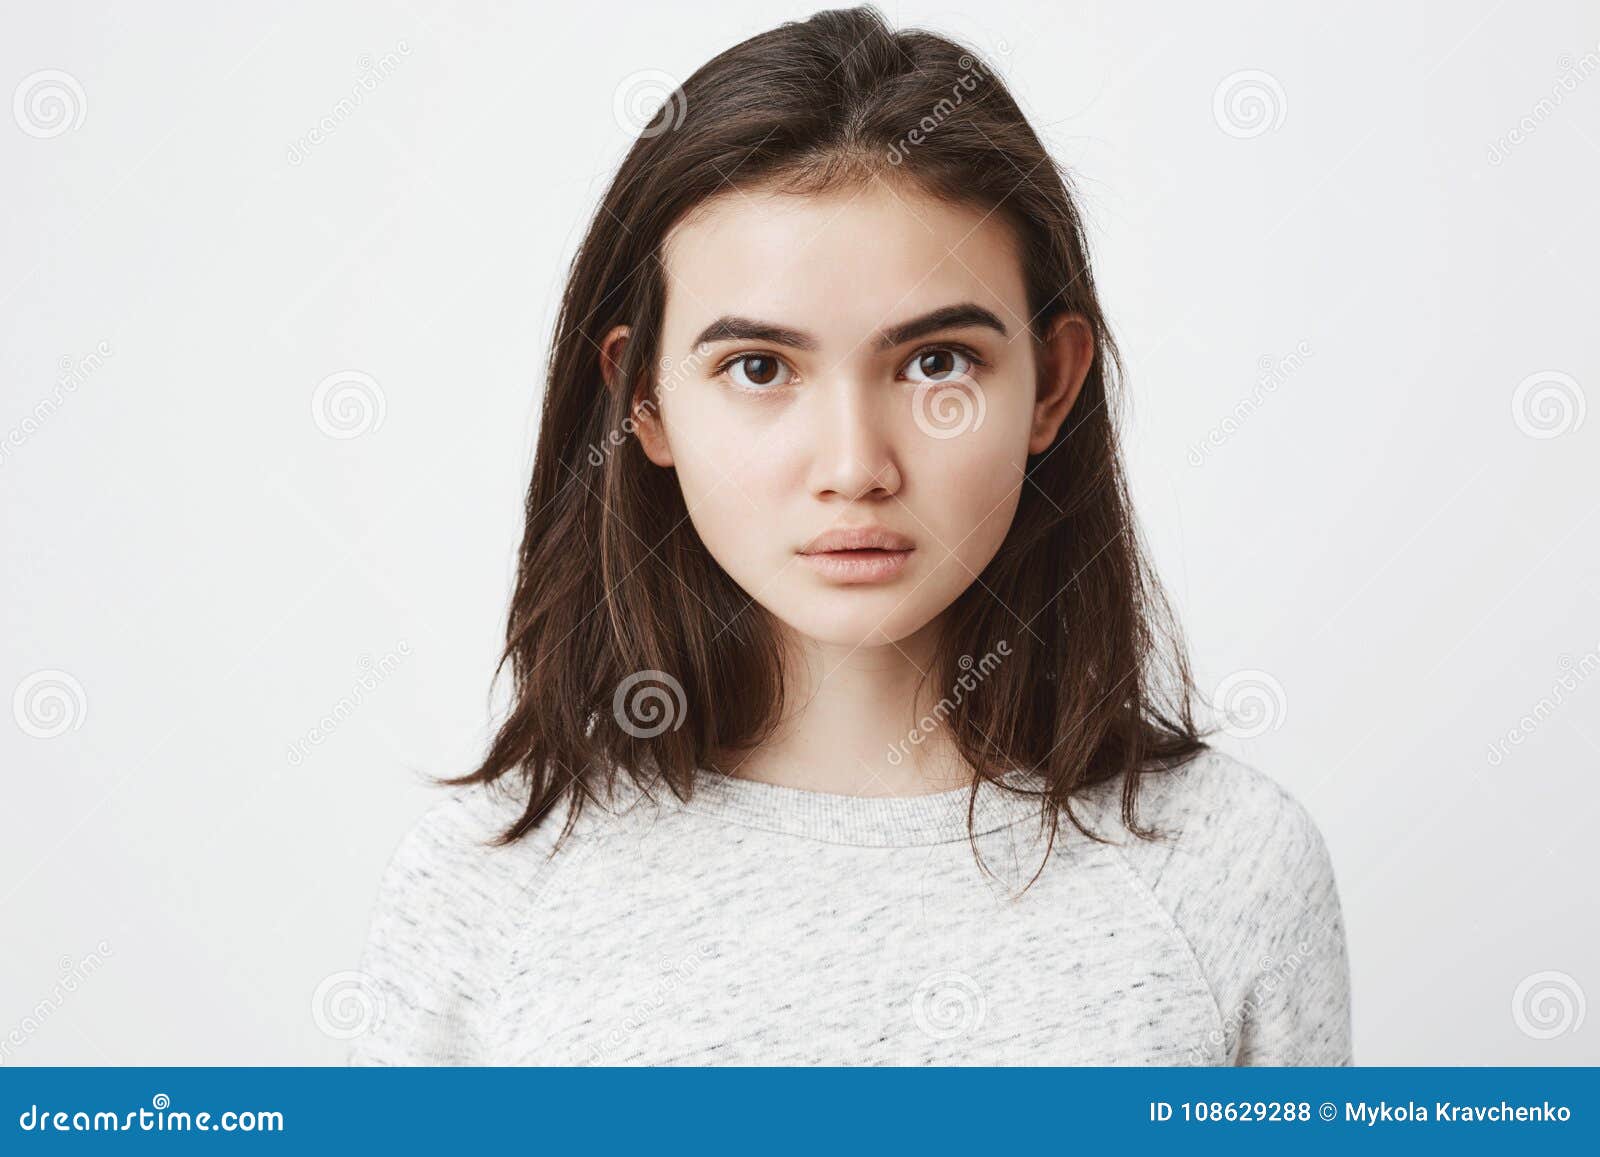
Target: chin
(852,618)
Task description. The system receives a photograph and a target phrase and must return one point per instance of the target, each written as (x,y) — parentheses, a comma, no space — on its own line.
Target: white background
(1383,536)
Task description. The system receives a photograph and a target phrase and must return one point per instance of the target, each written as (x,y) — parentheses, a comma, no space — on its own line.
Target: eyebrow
(968,313)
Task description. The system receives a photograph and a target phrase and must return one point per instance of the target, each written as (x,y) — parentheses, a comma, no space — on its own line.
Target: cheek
(968,490)
(968,472)
(734,476)
(732,503)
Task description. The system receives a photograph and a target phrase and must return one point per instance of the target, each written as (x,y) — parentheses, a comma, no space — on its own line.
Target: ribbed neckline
(869,821)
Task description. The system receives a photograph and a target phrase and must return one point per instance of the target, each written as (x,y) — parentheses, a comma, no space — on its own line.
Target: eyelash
(966,351)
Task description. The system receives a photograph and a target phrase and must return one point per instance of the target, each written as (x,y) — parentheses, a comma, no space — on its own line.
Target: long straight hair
(616,668)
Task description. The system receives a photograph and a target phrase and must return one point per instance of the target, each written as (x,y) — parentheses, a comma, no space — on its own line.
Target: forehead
(839,262)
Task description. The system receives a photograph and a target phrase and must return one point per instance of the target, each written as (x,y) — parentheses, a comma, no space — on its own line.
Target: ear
(1064,358)
(645,412)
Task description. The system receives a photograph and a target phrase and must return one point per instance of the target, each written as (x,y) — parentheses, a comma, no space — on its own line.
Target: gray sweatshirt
(766,925)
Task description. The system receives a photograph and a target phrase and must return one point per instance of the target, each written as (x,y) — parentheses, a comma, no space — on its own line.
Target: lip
(869,554)
(858,566)
(857,538)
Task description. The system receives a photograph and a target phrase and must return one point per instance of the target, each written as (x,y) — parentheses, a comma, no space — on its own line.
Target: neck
(850,723)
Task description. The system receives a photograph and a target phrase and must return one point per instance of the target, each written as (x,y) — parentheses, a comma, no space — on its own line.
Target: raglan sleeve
(1294,1005)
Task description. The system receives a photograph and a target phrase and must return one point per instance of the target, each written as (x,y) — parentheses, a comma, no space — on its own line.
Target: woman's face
(859,361)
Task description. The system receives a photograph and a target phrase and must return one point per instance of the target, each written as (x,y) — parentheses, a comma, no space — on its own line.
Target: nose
(853,456)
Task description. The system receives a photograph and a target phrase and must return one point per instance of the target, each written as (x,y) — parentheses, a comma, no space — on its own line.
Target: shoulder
(1213,812)
(1219,809)
(1244,874)
(447,867)
(1237,859)
(457,828)
(450,857)
(440,911)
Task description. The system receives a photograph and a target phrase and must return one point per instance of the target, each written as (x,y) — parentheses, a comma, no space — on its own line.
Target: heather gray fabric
(766,925)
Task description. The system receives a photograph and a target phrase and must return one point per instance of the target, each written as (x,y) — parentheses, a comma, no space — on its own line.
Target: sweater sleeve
(1249,882)
(1296,1010)
(434,928)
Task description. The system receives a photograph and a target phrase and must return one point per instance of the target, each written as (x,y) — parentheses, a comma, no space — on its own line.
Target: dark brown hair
(1096,686)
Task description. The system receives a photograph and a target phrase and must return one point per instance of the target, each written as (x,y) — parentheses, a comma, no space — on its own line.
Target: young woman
(830,610)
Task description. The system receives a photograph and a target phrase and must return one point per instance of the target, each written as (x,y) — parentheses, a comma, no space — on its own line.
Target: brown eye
(939,365)
(760,370)
(756,371)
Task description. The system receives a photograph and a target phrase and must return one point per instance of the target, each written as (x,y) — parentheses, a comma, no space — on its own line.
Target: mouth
(860,565)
